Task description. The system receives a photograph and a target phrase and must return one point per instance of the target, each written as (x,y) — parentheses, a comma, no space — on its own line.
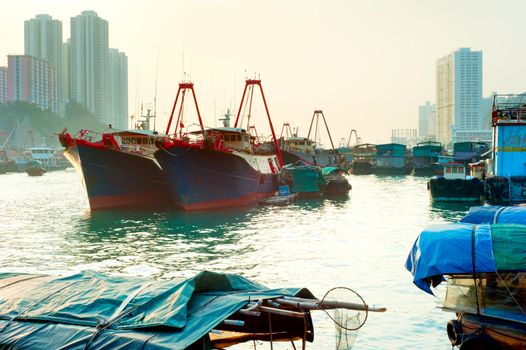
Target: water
(360,242)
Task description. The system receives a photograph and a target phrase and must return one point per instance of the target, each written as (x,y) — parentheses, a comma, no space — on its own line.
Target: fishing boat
(391,159)
(334,182)
(117,167)
(206,311)
(49,158)
(486,284)
(455,185)
(220,167)
(305,149)
(506,180)
(363,159)
(426,158)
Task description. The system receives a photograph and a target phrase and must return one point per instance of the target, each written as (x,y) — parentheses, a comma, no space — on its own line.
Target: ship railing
(509,109)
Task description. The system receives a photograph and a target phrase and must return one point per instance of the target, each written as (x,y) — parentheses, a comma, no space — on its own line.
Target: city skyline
(337,56)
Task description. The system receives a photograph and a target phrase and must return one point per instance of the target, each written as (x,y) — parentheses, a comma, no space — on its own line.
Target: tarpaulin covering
(496,214)
(329,170)
(447,249)
(97,311)
(305,178)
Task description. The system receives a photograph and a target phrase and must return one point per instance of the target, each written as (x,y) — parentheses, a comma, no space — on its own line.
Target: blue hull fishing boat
(90,310)
(117,168)
(218,167)
(506,182)
(485,268)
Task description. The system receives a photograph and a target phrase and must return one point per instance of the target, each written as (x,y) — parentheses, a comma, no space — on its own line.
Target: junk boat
(485,269)
(391,159)
(363,159)
(117,167)
(425,158)
(305,180)
(455,185)
(506,182)
(218,167)
(294,148)
(90,310)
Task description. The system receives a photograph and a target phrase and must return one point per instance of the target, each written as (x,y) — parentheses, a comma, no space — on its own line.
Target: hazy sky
(367,64)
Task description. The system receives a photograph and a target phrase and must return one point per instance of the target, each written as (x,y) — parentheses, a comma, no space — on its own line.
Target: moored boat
(215,168)
(91,310)
(334,182)
(425,158)
(35,168)
(391,159)
(117,168)
(363,159)
(486,284)
(305,149)
(455,185)
(506,180)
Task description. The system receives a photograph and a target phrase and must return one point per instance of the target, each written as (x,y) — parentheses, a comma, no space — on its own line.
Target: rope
(473,266)
(339,325)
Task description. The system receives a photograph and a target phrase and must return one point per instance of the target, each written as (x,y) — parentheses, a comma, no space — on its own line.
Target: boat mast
(252,83)
(183,88)
(316,115)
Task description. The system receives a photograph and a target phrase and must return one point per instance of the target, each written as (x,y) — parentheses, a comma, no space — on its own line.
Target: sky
(367,64)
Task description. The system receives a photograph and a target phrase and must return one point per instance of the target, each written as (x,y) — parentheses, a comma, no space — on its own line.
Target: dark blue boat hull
(115,179)
(202,179)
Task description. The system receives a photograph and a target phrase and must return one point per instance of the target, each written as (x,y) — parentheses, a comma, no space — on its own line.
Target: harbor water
(359,242)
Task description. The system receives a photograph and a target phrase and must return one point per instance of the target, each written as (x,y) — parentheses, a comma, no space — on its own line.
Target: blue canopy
(496,214)
(94,310)
(448,249)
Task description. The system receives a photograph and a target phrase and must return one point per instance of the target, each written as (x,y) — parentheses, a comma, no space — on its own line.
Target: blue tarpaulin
(97,311)
(447,249)
(496,214)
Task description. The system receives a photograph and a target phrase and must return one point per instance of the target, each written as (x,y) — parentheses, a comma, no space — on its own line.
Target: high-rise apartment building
(3,84)
(89,65)
(43,39)
(119,88)
(32,80)
(459,97)
(427,121)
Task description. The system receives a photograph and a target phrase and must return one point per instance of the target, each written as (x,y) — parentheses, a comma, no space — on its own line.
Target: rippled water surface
(360,242)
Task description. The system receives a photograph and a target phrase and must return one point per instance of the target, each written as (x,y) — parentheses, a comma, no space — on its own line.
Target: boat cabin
(454,171)
(137,139)
(301,144)
(235,138)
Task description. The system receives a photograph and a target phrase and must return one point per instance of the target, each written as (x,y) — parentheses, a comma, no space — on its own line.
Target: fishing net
(347,322)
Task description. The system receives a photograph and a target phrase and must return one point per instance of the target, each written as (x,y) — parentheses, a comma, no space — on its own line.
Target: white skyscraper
(89,65)
(119,88)
(427,121)
(43,39)
(459,98)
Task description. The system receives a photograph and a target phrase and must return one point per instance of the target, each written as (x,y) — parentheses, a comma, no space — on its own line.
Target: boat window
(227,137)
(460,170)
(238,137)
(448,170)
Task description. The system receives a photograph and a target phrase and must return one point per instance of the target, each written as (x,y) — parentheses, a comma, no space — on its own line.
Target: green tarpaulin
(97,311)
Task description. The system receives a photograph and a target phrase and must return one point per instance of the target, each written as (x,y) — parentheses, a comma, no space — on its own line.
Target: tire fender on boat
(441,183)
(454,332)
(458,184)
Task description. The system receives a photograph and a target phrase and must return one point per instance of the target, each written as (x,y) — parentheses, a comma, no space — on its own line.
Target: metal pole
(241,104)
(198,112)
(173,110)
(278,152)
